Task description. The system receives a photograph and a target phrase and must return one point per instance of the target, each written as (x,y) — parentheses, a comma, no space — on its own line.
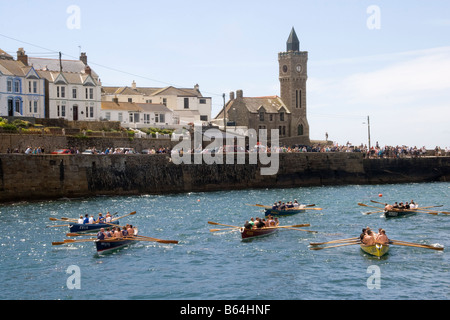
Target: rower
(381,237)
(86,219)
(130,230)
(369,239)
(81,220)
(296,204)
(101,219)
(101,234)
(108,218)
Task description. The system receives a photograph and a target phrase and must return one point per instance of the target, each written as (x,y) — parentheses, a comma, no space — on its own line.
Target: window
(281,116)
(108,115)
(271,117)
(60,92)
(261,116)
(203,118)
(202,101)
(186,103)
(74,93)
(120,117)
(165,101)
(147,118)
(130,99)
(298,98)
(63,110)
(9,86)
(34,86)
(300,130)
(160,117)
(90,93)
(17,86)
(35,107)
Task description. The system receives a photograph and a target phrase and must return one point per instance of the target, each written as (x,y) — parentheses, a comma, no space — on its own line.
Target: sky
(380,60)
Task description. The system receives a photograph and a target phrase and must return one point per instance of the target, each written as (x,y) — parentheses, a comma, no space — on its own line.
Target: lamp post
(224,115)
(368,128)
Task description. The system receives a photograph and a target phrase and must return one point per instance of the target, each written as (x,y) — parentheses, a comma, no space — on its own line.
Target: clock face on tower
(299,68)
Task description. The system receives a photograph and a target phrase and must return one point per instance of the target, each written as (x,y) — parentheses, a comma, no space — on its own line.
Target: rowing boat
(377,250)
(81,228)
(285,212)
(391,213)
(253,233)
(112,244)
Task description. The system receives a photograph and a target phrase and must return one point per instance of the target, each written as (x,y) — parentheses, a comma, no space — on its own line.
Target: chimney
(88,70)
(83,58)
(116,100)
(22,57)
(239,94)
(232,95)
(133,85)
(197,87)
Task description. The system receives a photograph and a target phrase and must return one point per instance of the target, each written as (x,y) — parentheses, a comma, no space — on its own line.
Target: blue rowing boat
(77,228)
(285,212)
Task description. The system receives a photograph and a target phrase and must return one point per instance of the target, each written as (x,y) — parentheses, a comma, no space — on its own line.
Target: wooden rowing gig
(82,228)
(286,212)
(392,213)
(377,250)
(259,232)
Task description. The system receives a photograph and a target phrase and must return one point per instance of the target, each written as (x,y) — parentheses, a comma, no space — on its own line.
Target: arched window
(300,130)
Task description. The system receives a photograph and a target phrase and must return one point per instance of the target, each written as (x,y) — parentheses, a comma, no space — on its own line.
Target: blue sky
(398,74)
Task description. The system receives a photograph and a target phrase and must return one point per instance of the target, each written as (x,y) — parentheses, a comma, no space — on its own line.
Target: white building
(22,90)
(137,115)
(188,104)
(74,90)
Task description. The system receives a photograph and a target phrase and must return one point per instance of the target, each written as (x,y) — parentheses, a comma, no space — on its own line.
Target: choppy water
(219,266)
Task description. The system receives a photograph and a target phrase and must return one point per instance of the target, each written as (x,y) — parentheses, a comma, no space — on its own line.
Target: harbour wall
(44,177)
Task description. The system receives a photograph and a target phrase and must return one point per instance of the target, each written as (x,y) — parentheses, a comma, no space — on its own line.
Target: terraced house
(168,105)
(22,89)
(73,88)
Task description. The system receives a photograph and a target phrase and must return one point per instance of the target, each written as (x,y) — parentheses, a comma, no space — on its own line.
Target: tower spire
(292,43)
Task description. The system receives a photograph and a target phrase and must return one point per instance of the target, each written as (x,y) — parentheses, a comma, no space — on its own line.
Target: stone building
(286,113)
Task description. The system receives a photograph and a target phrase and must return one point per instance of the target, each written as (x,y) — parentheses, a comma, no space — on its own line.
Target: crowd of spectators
(373,152)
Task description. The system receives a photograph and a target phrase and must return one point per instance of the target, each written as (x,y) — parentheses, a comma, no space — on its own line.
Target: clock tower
(293,77)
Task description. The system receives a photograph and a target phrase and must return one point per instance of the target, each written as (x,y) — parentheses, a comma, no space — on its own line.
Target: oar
(341,245)
(69,219)
(333,241)
(79,241)
(301,230)
(61,225)
(366,205)
(223,229)
(431,211)
(412,243)
(55,219)
(368,213)
(144,238)
(225,225)
(130,214)
(415,245)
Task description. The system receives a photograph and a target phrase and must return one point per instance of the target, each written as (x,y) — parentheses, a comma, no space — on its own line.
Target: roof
(5,56)
(137,107)
(271,104)
(68,66)
(120,106)
(292,43)
(153,107)
(72,78)
(13,68)
(150,91)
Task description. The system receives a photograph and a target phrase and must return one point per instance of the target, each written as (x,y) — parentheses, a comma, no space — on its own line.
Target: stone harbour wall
(43,177)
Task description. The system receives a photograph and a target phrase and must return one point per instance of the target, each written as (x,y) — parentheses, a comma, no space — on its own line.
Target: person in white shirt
(80,221)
